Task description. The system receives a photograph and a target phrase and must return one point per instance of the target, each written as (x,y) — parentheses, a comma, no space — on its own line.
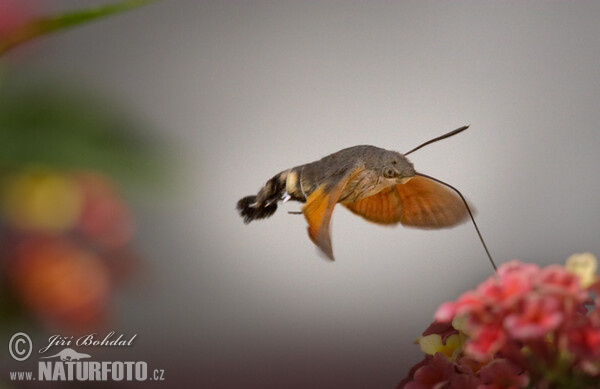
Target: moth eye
(389,173)
(394,162)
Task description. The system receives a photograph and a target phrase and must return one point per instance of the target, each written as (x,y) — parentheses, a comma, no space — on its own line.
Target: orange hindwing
(420,203)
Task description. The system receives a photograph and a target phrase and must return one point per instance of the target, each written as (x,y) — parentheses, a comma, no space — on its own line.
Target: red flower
(585,341)
(502,374)
(485,341)
(444,330)
(529,270)
(557,280)
(509,285)
(467,302)
(512,281)
(522,324)
(437,372)
(536,318)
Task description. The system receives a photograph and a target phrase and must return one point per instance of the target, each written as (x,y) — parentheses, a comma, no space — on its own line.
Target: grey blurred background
(244,89)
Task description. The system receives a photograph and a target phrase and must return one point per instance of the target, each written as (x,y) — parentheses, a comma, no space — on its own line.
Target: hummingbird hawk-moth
(379,185)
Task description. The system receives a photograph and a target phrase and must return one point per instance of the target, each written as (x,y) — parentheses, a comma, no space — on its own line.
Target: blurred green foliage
(63,222)
(55,124)
(65,127)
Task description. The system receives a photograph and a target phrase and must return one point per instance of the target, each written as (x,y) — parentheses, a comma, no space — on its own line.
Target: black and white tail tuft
(250,210)
(264,204)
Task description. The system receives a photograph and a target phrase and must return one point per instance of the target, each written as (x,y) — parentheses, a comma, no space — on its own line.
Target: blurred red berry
(14,14)
(105,219)
(122,264)
(60,282)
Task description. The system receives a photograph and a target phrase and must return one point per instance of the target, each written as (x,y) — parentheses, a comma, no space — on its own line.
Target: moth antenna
(463,199)
(448,135)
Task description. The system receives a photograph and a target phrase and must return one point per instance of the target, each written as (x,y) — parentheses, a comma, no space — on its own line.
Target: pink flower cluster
(522,327)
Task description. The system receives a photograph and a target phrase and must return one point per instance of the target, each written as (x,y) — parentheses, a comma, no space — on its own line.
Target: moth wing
(383,207)
(428,204)
(319,207)
(420,203)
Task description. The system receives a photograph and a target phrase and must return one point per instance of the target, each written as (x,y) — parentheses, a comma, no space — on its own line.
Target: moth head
(395,166)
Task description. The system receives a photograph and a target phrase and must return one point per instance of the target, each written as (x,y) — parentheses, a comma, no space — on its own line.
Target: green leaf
(46,25)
